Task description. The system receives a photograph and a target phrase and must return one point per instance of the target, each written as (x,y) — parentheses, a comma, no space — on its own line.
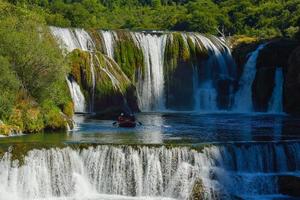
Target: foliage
(32,69)
(9,86)
(265,19)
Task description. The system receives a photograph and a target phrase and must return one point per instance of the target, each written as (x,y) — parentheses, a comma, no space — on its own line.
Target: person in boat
(126,120)
(128,117)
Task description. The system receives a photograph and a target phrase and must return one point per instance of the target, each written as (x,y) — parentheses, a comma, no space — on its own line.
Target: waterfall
(275,104)
(151,89)
(206,97)
(70,39)
(243,97)
(108,37)
(218,67)
(213,77)
(216,53)
(77,96)
(141,171)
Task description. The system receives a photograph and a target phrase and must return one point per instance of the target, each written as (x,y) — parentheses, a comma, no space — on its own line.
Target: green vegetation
(128,55)
(264,18)
(32,72)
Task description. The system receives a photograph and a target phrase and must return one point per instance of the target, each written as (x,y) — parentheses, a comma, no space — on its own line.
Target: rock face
(292,83)
(289,185)
(279,53)
(275,54)
(104,84)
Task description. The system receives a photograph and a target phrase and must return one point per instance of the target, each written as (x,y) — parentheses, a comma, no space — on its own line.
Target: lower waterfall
(215,172)
(275,104)
(77,96)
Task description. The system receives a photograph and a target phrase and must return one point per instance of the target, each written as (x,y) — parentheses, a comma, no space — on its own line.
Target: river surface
(177,128)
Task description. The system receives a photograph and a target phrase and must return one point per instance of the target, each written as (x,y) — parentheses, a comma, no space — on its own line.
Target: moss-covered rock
(128,55)
(197,192)
(112,85)
(184,56)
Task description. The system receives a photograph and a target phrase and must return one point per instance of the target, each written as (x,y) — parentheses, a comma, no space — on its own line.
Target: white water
(77,96)
(151,88)
(71,39)
(216,54)
(106,172)
(275,104)
(243,97)
(205,93)
(206,97)
(108,37)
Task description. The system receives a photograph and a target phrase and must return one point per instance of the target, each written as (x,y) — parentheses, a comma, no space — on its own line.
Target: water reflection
(181,128)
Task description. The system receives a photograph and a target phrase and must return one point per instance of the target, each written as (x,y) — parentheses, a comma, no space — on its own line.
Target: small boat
(127,121)
(127,124)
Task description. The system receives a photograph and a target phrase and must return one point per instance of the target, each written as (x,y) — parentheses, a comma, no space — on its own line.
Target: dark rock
(292,84)
(275,54)
(108,114)
(179,87)
(289,185)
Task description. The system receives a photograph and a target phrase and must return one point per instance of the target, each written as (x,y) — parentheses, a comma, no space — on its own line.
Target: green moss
(81,68)
(128,55)
(98,40)
(68,109)
(198,190)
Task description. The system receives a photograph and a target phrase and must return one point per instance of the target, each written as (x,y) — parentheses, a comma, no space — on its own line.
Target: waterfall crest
(151,88)
(109,41)
(148,171)
(177,71)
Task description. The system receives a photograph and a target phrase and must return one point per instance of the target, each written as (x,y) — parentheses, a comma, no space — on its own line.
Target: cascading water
(275,104)
(77,96)
(108,37)
(141,171)
(212,78)
(205,93)
(151,89)
(243,97)
(77,39)
(70,39)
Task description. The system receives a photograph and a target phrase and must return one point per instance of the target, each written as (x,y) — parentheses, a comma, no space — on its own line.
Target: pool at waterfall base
(171,156)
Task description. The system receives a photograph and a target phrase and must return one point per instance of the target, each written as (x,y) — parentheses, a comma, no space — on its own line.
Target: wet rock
(292,83)
(275,54)
(8,130)
(197,191)
(108,114)
(289,185)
